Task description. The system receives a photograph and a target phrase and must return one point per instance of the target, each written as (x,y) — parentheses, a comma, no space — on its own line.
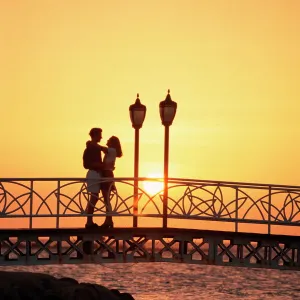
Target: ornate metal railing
(37,202)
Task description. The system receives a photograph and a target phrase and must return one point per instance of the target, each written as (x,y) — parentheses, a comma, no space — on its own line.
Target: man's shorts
(93,181)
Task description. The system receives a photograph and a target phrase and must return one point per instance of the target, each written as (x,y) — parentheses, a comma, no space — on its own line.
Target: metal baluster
(58,202)
(236,208)
(31,204)
(269,211)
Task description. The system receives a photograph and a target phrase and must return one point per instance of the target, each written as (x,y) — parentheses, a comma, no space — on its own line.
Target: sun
(153,187)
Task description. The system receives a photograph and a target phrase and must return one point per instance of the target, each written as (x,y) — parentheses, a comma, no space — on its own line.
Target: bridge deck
(144,231)
(79,245)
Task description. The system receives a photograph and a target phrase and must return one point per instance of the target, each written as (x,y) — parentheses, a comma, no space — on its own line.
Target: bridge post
(167,111)
(236,209)
(136,175)
(269,210)
(166,176)
(213,242)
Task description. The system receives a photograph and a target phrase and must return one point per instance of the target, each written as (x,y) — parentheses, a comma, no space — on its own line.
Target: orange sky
(233,67)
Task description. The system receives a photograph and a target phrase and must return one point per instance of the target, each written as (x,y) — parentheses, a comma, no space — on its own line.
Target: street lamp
(137,113)
(167,110)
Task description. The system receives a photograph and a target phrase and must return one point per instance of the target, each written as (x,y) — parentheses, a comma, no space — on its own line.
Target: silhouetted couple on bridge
(97,170)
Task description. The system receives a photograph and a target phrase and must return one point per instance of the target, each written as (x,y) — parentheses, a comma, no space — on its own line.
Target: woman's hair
(115,143)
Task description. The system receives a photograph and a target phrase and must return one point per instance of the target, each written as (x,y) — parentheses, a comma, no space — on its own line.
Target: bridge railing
(34,202)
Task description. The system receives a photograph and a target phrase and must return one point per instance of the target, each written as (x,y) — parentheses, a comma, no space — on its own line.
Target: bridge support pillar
(64,246)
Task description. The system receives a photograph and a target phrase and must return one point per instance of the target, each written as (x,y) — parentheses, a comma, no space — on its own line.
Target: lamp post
(167,110)
(137,113)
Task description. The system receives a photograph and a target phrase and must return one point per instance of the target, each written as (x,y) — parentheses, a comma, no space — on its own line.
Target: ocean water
(150,281)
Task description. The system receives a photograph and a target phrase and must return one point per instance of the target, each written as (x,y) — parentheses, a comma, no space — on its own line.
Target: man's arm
(104,149)
(95,165)
(88,163)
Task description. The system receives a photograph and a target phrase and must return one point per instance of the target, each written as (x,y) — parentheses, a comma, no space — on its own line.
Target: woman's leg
(106,188)
(106,196)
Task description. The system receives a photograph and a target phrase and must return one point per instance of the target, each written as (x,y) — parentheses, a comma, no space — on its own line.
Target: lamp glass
(137,117)
(168,114)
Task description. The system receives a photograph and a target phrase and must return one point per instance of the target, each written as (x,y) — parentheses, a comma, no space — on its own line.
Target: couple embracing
(98,170)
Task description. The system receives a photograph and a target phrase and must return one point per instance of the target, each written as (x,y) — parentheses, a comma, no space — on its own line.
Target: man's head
(96,134)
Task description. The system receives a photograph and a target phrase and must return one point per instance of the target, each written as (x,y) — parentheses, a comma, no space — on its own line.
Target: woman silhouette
(112,151)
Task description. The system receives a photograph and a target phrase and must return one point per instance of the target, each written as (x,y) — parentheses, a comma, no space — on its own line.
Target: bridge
(195,221)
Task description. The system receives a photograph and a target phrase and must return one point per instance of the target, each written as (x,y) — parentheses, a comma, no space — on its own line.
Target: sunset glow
(153,187)
(232,67)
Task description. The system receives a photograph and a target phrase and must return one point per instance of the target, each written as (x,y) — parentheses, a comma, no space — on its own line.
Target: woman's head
(114,142)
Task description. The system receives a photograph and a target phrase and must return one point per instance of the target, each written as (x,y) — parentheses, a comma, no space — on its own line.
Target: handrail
(170,179)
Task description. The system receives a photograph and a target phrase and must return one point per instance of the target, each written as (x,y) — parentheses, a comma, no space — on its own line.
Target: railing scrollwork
(234,202)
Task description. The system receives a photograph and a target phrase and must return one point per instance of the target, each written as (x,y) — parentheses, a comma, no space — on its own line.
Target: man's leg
(94,197)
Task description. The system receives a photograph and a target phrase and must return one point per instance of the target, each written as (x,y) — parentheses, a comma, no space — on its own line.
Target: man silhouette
(92,161)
